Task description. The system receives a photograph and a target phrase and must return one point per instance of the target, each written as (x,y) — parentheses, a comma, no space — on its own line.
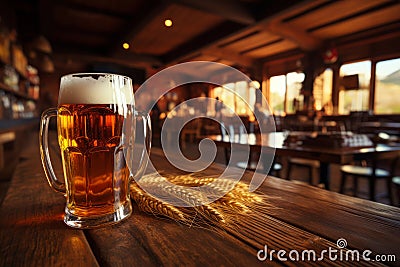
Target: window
(387,87)
(285,89)
(242,91)
(294,83)
(355,99)
(239,97)
(323,91)
(277,86)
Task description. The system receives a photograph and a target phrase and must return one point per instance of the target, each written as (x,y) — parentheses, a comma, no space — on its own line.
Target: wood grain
(296,221)
(144,240)
(364,224)
(303,217)
(32,232)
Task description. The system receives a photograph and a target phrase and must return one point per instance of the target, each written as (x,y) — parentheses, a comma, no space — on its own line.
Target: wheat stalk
(193,190)
(232,204)
(210,213)
(153,205)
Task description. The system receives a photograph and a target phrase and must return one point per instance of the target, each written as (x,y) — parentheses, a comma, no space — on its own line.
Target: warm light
(125,45)
(168,22)
(255,84)
(252,118)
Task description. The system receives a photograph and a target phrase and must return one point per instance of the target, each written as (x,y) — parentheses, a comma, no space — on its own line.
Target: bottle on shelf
(11,78)
(19,82)
(6,103)
(33,80)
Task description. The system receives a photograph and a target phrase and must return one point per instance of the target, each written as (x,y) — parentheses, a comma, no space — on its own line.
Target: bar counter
(301,217)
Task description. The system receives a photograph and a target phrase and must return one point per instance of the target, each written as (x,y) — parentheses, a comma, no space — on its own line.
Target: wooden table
(32,232)
(378,127)
(274,142)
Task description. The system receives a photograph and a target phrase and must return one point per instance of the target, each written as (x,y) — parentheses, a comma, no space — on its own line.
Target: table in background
(301,217)
(326,155)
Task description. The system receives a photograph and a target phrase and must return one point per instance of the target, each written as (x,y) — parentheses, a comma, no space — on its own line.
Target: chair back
(231,129)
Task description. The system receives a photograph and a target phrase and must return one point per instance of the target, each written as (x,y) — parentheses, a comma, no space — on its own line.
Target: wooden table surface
(32,232)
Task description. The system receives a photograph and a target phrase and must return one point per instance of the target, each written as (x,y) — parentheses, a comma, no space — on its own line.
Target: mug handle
(52,179)
(144,159)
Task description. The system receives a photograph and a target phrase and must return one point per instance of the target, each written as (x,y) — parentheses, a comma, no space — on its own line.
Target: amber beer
(96,131)
(93,160)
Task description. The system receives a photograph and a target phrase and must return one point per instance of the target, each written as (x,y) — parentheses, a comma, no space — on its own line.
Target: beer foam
(84,89)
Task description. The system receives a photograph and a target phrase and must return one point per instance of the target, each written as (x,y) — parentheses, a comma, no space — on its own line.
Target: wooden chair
(275,168)
(396,182)
(372,173)
(191,132)
(308,164)
(251,165)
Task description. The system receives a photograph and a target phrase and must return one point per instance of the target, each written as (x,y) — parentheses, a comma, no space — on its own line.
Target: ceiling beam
(201,42)
(204,42)
(227,9)
(230,56)
(125,59)
(304,40)
(137,23)
(277,24)
(81,7)
(380,33)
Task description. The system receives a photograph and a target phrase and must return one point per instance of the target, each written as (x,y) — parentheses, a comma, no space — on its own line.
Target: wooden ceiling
(236,32)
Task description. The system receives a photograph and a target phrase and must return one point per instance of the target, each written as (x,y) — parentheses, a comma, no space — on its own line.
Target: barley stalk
(191,180)
(210,213)
(160,185)
(150,204)
(236,202)
(232,204)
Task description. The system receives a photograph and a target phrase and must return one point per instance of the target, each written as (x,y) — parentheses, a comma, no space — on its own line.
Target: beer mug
(96,126)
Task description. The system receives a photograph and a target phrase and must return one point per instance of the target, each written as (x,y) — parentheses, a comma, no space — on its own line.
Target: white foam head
(95,88)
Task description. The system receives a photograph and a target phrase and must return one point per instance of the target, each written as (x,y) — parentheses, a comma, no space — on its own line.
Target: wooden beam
(137,23)
(230,56)
(201,42)
(228,9)
(127,59)
(214,38)
(81,7)
(382,33)
(303,39)
(277,24)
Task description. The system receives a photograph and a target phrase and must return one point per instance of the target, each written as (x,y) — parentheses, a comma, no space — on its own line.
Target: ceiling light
(168,22)
(125,46)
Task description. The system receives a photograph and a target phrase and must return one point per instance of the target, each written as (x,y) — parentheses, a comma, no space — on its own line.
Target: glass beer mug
(96,125)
